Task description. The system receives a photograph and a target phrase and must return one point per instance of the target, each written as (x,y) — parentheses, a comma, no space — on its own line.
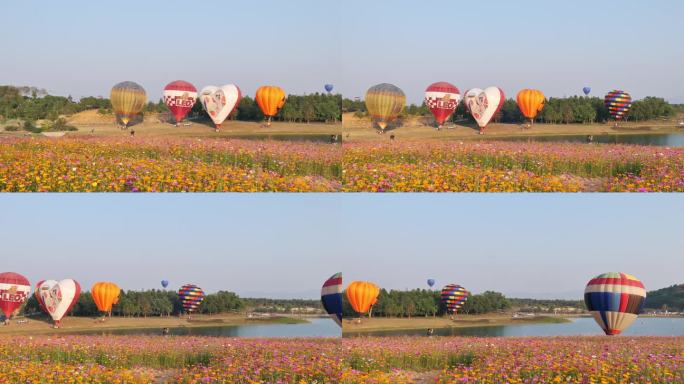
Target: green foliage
(421,302)
(670,298)
(569,110)
(14,104)
(279,305)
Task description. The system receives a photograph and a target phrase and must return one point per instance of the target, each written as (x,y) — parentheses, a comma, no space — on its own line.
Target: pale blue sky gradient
(285,245)
(84,47)
(556,46)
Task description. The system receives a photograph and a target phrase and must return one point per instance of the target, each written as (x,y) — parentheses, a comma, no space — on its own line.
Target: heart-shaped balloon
(57,297)
(219,102)
(483,105)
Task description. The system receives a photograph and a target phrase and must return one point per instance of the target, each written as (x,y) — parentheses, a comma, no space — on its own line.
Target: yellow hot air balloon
(105,294)
(270,99)
(362,295)
(384,103)
(128,100)
(531,102)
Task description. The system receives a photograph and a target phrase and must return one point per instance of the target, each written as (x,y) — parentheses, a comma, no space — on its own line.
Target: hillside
(670,298)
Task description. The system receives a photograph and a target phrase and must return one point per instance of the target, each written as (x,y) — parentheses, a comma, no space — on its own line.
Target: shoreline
(77,325)
(358,129)
(404,324)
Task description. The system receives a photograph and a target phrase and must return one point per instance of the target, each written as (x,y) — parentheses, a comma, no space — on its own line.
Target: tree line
(567,110)
(166,303)
(422,302)
(31,104)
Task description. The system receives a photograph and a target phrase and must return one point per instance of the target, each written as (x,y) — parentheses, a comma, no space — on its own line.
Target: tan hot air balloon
(384,103)
(362,295)
(105,294)
(531,102)
(128,100)
(270,99)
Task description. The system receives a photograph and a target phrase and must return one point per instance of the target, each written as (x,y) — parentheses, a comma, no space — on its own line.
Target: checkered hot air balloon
(615,300)
(453,297)
(14,290)
(442,98)
(331,296)
(618,103)
(191,297)
(180,96)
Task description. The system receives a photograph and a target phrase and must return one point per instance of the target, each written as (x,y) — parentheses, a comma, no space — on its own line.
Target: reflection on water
(663,140)
(648,326)
(316,327)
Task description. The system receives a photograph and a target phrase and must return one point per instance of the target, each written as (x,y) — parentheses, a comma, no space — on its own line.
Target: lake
(647,326)
(316,327)
(662,140)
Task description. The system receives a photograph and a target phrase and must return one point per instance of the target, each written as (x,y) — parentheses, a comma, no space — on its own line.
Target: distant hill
(670,298)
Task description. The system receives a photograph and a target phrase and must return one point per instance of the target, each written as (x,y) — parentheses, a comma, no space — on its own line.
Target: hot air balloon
(165,283)
(586,91)
(384,103)
(530,102)
(484,104)
(270,99)
(128,100)
(453,297)
(105,294)
(191,297)
(57,298)
(220,102)
(180,96)
(615,300)
(430,282)
(442,99)
(328,88)
(331,296)
(362,295)
(14,290)
(618,103)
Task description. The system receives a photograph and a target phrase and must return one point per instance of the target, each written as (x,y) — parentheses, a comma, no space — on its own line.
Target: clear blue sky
(84,47)
(285,245)
(555,46)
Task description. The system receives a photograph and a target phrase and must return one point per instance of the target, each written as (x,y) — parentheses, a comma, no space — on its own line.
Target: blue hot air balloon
(586,90)
(165,283)
(431,282)
(328,88)
(331,296)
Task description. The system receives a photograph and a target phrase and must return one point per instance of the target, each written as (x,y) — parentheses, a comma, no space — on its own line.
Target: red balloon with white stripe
(442,98)
(14,290)
(180,96)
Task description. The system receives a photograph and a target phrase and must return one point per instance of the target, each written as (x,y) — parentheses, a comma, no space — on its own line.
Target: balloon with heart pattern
(484,104)
(57,298)
(14,290)
(220,102)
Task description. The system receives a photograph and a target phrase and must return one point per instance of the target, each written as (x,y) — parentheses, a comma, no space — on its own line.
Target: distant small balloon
(328,88)
(431,282)
(165,283)
(586,90)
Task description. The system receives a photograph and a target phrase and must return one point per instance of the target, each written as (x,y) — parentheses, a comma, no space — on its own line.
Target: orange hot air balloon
(270,99)
(531,102)
(362,295)
(105,294)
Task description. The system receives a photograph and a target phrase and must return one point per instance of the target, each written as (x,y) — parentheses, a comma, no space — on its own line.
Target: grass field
(412,127)
(460,321)
(70,324)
